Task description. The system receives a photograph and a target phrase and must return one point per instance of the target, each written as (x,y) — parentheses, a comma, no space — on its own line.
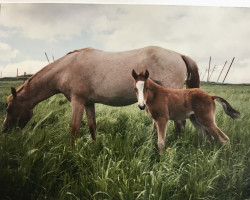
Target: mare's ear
(146,75)
(134,74)
(13,92)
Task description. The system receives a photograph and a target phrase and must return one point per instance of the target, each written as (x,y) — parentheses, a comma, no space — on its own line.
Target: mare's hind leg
(77,113)
(90,112)
(179,126)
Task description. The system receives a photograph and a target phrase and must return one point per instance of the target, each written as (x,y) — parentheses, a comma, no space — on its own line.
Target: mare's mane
(25,84)
(20,88)
(78,50)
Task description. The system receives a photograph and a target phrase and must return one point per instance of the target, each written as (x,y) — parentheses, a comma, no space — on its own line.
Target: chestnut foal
(164,103)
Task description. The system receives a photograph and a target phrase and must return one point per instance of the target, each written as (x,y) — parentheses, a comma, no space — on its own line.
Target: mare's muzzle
(4,129)
(142,107)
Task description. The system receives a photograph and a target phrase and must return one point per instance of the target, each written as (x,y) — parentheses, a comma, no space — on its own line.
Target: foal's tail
(227,108)
(193,78)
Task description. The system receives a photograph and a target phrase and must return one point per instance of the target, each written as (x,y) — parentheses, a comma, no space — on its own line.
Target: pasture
(38,161)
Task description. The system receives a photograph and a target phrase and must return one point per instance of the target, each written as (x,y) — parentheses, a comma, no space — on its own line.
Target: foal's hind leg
(90,112)
(207,121)
(180,126)
(200,129)
(213,129)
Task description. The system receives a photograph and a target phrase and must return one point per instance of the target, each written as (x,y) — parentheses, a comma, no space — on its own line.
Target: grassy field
(39,163)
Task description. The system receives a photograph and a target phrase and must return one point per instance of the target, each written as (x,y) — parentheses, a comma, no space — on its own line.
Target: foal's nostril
(142,107)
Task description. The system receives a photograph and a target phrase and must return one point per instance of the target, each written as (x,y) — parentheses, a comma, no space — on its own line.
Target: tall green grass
(38,162)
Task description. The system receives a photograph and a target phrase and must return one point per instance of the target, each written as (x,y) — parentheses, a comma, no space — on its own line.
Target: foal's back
(181,103)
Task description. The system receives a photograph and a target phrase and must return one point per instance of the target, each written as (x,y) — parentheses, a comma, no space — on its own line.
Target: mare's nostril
(4,130)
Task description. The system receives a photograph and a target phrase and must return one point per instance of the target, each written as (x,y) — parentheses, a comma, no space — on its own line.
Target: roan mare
(88,76)
(164,103)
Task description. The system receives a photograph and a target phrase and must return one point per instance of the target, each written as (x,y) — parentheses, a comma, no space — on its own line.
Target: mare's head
(141,87)
(17,112)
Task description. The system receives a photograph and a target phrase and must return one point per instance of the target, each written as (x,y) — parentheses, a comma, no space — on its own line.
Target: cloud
(199,32)
(28,66)
(45,21)
(7,53)
(196,31)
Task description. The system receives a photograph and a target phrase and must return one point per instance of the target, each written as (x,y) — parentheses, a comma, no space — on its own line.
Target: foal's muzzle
(142,107)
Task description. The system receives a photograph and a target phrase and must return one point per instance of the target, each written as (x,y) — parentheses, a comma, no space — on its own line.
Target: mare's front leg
(90,112)
(77,113)
(161,129)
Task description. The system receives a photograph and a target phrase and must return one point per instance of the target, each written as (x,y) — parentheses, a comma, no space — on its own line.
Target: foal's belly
(180,116)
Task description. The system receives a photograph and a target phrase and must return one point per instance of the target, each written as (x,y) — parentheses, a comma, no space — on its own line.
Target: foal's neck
(154,89)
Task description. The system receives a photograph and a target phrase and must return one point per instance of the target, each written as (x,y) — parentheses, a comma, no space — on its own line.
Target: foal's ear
(146,75)
(13,92)
(134,74)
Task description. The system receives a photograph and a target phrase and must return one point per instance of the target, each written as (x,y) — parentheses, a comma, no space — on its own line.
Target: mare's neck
(38,88)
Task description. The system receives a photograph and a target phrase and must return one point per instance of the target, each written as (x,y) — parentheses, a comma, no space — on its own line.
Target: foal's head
(17,113)
(141,87)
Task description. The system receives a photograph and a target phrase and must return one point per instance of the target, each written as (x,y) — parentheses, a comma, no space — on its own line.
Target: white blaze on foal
(140,87)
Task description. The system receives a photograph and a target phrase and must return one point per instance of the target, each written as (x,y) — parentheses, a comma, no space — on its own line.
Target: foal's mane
(141,75)
(157,82)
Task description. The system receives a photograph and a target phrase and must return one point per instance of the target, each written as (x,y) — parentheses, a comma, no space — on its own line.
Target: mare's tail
(227,108)
(193,78)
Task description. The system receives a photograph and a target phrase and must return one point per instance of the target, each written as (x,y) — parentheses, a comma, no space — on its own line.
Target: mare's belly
(123,98)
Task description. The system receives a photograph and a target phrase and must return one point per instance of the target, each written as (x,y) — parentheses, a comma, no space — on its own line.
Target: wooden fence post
(208,69)
(228,70)
(47,57)
(221,71)
(212,72)
(204,74)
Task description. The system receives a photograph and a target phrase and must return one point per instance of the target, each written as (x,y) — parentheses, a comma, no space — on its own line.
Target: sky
(28,30)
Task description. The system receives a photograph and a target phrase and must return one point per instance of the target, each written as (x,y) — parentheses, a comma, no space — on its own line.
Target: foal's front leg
(154,123)
(161,130)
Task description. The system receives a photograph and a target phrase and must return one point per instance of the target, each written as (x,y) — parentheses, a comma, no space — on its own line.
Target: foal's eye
(135,89)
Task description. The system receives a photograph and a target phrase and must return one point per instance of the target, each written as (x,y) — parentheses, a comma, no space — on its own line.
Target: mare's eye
(135,89)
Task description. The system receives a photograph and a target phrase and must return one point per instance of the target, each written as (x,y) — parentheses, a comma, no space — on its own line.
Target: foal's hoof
(226,143)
